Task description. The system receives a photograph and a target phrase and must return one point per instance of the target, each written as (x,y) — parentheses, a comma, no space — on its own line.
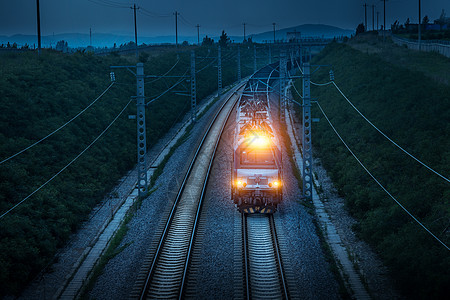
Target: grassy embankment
(405,94)
(39,94)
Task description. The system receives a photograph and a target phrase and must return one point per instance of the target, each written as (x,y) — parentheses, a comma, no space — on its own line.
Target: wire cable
(297,90)
(388,138)
(154,80)
(61,127)
(321,84)
(169,89)
(66,166)
(376,180)
(109,3)
(206,66)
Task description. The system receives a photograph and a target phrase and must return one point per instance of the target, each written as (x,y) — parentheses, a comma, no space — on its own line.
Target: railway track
(263,268)
(165,274)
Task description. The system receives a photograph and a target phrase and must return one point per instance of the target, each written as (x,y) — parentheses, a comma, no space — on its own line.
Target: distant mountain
(306,30)
(75,40)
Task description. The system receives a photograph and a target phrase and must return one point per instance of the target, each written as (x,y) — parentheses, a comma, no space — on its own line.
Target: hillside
(306,30)
(39,94)
(413,109)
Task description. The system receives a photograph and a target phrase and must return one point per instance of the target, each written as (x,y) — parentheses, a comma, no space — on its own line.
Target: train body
(257,159)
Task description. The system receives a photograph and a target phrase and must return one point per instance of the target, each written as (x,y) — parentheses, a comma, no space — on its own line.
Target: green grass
(412,108)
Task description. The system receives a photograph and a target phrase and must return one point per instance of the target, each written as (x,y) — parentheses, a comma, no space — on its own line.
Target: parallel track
(263,269)
(167,273)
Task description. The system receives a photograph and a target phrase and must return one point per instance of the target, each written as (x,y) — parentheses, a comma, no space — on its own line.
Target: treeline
(39,94)
(414,110)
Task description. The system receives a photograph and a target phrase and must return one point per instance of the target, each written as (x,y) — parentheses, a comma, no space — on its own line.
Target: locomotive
(257,161)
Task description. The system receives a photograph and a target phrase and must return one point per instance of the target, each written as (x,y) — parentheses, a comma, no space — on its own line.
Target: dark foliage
(413,109)
(41,93)
(360,29)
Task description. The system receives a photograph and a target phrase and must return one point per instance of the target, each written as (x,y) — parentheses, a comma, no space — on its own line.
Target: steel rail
(177,200)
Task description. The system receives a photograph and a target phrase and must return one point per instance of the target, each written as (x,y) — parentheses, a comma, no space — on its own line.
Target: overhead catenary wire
(378,182)
(59,128)
(109,3)
(66,166)
(388,138)
(169,89)
(162,76)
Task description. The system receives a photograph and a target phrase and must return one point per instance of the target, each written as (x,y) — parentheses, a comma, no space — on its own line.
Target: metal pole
(239,63)
(38,26)
(365,16)
(90,36)
(135,30)
(198,34)
(274,32)
(219,72)
(176,28)
(254,58)
(282,103)
(193,88)
(244,30)
(373,17)
(420,29)
(306,134)
(384,21)
(141,134)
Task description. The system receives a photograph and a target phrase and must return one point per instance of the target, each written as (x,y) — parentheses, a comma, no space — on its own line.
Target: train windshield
(257,157)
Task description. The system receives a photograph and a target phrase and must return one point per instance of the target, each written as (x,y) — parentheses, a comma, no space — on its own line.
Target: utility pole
(254,59)
(176,28)
(244,30)
(274,32)
(365,16)
(306,134)
(239,63)
(135,30)
(384,21)
(90,36)
(198,34)
(219,72)
(373,17)
(282,68)
(38,26)
(193,88)
(141,135)
(420,29)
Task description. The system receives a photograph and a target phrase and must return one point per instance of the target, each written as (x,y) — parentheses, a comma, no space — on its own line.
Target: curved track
(263,269)
(166,275)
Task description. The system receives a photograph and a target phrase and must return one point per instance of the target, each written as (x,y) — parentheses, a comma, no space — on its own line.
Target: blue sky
(156,17)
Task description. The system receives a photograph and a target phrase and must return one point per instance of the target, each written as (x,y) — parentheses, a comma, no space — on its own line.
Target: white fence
(425,45)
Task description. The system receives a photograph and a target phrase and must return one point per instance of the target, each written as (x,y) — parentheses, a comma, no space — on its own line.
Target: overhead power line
(109,3)
(388,138)
(376,180)
(162,76)
(169,89)
(66,166)
(58,129)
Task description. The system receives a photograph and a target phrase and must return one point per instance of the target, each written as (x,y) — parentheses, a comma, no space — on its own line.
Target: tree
(407,22)
(425,20)
(207,41)
(224,40)
(360,29)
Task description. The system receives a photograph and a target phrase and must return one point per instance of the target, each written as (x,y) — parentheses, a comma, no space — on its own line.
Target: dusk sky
(156,17)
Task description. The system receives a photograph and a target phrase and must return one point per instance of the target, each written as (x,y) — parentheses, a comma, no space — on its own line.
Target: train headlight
(275,184)
(240,184)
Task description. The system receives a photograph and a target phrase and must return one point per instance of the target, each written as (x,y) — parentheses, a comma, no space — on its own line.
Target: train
(256,177)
